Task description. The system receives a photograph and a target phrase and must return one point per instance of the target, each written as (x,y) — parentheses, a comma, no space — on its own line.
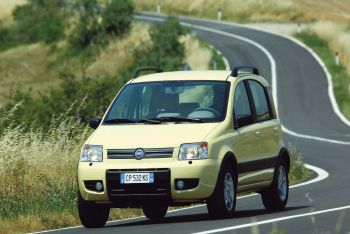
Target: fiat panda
(184,137)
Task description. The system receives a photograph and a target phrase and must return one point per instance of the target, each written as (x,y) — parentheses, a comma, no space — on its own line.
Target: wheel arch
(229,158)
(284,156)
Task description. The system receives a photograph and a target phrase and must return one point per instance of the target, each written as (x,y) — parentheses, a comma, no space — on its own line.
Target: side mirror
(95,122)
(242,121)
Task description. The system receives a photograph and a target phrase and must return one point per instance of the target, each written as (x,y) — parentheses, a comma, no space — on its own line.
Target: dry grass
(197,56)
(26,67)
(338,38)
(237,10)
(118,54)
(330,10)
(256,10)
(6,8)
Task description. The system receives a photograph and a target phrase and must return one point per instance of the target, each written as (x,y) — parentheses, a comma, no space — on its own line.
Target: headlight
(92,153)
(193,151)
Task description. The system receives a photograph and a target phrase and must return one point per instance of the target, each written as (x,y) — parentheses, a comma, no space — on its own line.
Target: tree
(165,50)
(117,17)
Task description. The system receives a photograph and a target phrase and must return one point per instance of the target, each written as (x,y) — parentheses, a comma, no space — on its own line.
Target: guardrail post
(337,62)
(214,65)
(158,8)
(219,14)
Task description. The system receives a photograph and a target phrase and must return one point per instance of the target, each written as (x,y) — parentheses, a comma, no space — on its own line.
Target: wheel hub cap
(229,191)
(282,183)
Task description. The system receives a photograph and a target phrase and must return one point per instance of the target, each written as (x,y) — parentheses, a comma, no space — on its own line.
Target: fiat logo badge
(139,154)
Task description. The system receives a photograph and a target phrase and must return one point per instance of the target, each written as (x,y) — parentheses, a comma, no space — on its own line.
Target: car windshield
(170,101)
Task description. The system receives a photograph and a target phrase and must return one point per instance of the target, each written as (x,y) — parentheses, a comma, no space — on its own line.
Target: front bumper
(166,172)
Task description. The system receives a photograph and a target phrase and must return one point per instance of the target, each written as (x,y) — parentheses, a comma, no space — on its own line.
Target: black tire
(92,215)
(222,203)
(276,197)
(155,211)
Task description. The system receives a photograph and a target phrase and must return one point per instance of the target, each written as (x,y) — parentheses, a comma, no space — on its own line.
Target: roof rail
(139,70)
(244,69)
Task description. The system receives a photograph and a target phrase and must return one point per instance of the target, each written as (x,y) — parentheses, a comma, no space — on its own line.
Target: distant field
(256,10)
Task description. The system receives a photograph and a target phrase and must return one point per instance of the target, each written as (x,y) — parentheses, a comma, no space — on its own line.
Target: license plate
(137,178)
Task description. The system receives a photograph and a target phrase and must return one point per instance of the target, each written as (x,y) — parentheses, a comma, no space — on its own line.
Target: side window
(241,105)
(260,101)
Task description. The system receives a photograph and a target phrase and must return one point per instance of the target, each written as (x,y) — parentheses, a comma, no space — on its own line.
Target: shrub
(40,20)
(165,50)
(117,17)
(8,38)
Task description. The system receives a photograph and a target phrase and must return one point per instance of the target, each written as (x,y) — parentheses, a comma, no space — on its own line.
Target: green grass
(340,78)
(219,59)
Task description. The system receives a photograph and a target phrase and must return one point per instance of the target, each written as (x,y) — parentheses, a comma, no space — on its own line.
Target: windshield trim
(224,114)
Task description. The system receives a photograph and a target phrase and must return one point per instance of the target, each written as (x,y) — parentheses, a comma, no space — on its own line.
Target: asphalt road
(304,108)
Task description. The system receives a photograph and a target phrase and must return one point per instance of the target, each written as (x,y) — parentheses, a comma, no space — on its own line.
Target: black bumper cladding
(135,195)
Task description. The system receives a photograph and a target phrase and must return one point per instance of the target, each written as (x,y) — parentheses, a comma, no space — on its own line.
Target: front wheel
(222,203)
(276,197)
(92,215)
(155,211)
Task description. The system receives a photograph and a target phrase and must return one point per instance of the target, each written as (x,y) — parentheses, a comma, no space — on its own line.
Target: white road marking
(273,72)
(273,220)
(225,60)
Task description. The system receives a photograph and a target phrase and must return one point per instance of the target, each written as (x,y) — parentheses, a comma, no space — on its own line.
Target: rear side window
(260,101)
(241,102)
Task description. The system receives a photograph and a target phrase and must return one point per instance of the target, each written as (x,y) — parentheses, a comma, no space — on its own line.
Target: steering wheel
(215,112)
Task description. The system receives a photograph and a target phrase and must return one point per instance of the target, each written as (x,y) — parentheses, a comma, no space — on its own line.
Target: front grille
(149,153)
(160,187)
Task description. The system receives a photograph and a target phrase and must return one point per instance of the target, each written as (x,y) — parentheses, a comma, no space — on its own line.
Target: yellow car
(184,137)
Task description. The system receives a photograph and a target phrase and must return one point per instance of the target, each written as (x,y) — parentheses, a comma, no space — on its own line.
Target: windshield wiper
(119,121)
(177,119)
(152,121)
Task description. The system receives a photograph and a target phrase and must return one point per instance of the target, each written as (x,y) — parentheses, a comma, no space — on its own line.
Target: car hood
(130,136)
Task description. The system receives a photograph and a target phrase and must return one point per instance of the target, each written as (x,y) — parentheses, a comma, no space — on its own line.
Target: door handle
(257,133)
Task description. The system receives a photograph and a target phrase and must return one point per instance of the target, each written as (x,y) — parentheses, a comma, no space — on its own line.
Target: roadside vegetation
(340,75)
(290,11)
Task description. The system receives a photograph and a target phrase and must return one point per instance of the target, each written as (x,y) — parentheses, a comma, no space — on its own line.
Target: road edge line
(273,220)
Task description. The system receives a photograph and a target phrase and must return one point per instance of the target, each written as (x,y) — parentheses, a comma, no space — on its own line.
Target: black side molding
(245,69)
(150,69)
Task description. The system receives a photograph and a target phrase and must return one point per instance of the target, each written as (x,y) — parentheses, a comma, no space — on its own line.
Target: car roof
(207,75)
(184,75)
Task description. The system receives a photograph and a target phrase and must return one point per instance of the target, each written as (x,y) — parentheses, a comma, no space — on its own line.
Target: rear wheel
(155,211)
(222,203)
(276,197)
(92,215)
